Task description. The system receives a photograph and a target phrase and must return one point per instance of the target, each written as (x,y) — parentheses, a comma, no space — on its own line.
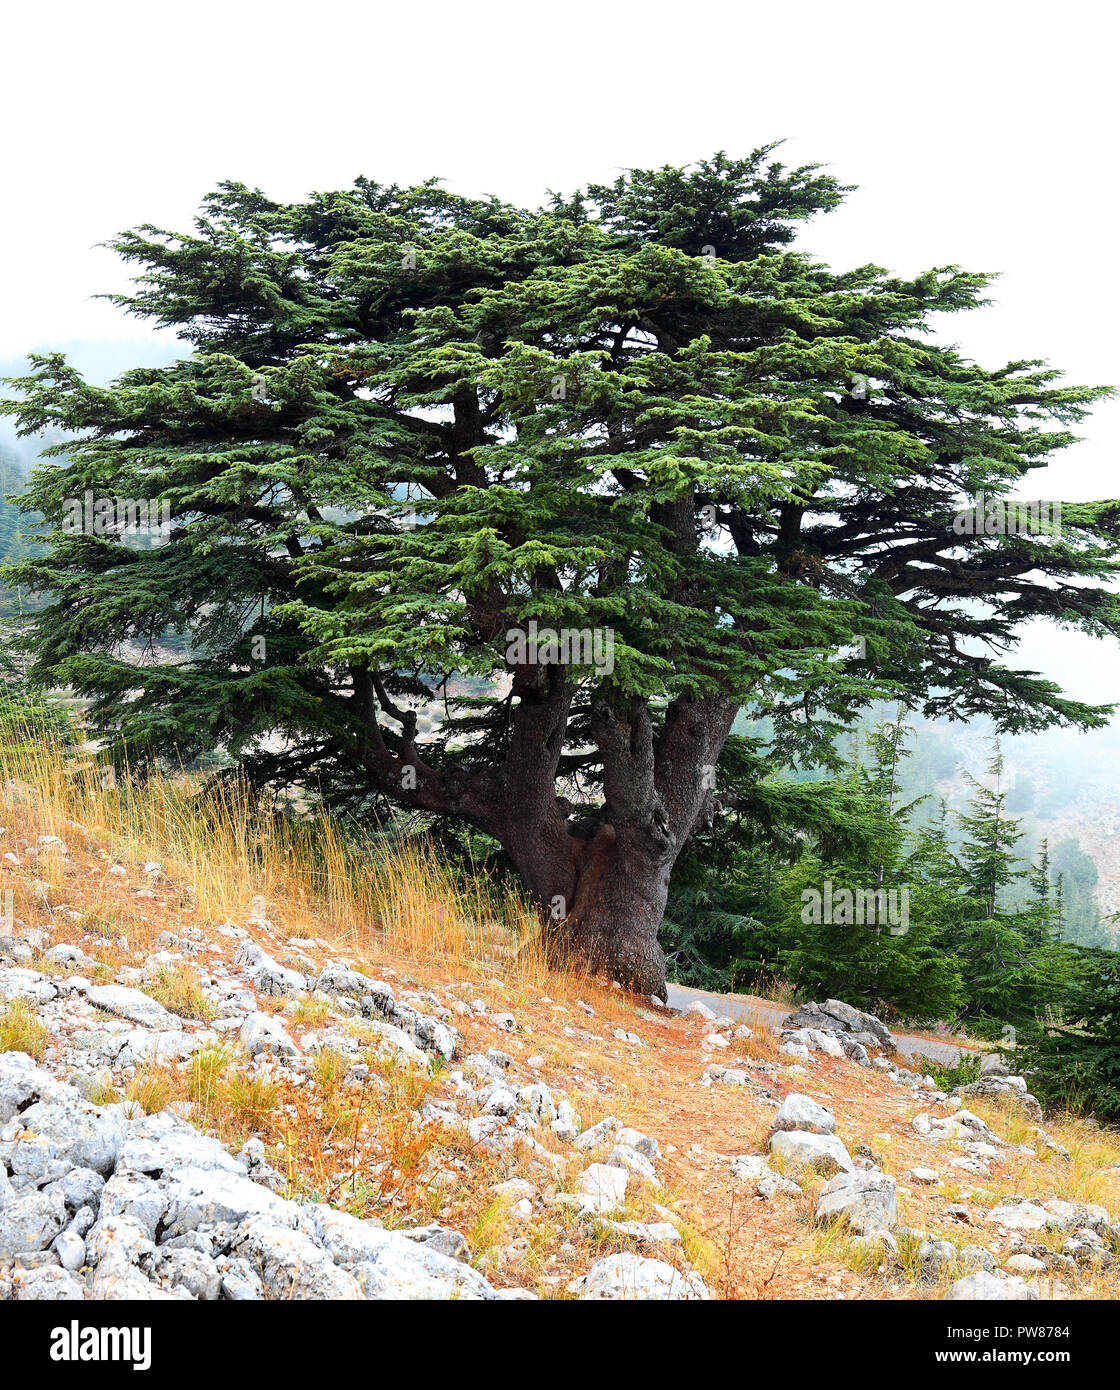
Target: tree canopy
(412,425)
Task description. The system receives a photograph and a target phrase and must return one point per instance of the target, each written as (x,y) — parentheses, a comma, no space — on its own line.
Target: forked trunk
(606,895)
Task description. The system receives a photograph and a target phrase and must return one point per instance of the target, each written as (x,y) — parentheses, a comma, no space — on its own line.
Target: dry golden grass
(153,1088)
(395,907)
(1090,1174)
(21,1031)
(234,856)
(178,988)
(764,1046)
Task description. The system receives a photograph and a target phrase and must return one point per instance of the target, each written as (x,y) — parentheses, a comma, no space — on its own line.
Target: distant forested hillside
(1040,779)
(14,542)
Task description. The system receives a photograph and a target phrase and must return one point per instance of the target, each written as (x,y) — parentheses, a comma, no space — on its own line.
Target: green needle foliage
(976,936)
(1074,1059)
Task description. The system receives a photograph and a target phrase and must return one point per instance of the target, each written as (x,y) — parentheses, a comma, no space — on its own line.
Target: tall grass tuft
(237,854)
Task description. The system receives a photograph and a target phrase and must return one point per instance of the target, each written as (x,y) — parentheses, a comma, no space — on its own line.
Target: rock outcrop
(101,1202)
(851,1029)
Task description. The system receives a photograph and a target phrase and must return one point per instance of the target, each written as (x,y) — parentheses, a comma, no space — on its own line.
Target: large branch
(687,751)
(405,778)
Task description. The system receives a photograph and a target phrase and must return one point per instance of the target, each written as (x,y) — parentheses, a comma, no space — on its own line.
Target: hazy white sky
(979,133)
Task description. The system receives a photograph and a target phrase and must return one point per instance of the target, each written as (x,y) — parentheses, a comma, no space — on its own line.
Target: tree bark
(621,892)
(603,898)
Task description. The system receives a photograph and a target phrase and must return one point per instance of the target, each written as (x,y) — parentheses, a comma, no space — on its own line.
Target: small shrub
(966,1071)
(179,989)
(21,1031)
(249,1097)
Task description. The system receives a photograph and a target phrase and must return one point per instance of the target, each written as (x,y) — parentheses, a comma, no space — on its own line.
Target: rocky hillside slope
(200,1109)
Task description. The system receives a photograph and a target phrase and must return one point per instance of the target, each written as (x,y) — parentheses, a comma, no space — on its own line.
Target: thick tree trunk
(606,895)
(601,900)
(620,900)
